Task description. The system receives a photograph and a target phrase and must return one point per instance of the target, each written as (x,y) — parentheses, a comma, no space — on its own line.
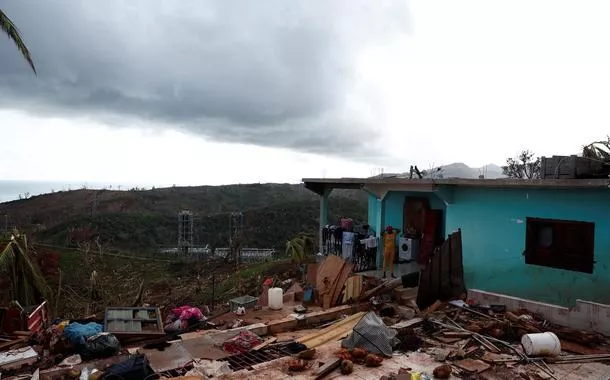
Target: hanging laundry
(369,243)
(347,246)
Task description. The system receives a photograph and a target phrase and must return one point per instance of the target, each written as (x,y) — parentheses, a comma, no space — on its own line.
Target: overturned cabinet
(128,322)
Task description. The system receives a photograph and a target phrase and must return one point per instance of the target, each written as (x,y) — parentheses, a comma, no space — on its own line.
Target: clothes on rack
(347,246)
(369,242)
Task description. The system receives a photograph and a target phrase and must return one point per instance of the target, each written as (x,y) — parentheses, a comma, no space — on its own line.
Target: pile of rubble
(334,324)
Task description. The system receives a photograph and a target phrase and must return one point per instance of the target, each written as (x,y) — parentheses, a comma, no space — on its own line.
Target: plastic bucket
(541,344)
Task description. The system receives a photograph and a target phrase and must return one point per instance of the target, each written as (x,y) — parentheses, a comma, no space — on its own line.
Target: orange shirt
(389,240)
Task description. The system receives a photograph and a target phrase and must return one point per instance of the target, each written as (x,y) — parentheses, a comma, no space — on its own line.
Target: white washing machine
(408,249)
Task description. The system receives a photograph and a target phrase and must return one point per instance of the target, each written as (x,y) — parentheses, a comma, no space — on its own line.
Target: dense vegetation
(139,220)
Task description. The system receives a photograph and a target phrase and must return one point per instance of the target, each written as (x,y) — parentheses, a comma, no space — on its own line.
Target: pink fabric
(187,312)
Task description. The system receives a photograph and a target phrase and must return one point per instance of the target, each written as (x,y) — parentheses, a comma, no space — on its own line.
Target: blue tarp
(77,333)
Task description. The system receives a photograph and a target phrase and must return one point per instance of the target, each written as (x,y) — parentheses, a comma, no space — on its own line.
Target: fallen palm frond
(27,284)
(8,27)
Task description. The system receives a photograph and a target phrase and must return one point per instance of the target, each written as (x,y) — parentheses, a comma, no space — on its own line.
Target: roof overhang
(376,187)
(380,185)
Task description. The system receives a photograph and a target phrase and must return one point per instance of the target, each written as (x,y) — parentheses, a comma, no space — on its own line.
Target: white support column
(323,217)
(380,217)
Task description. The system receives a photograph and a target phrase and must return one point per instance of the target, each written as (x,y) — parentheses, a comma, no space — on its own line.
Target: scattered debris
(378,327)
(347,367)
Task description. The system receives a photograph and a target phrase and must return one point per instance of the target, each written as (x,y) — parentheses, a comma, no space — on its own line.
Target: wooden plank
(580,349)
(327,368)
(265,343)
(332,332)
(330,268)
(457,266)
(313,318)
(445,288)
(14,342)
(435,276)
(424,288)
(338,286)
(407,324)
(472,365)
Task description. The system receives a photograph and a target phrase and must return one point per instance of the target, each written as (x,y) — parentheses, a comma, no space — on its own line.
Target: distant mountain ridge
(461,170)
(456,170)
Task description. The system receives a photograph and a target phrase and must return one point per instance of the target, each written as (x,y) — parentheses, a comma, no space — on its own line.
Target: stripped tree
(27,283)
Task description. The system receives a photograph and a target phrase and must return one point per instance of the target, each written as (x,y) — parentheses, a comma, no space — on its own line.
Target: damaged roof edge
(319,184)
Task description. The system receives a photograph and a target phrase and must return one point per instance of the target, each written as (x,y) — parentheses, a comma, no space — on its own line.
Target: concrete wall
(493,233)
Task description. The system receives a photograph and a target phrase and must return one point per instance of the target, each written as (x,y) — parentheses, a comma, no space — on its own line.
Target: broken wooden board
(472,365)
(493,358)
(580,349)
(265,343)
(329,269)
(12,343)
(327,368)
(353,288)
(457,334)
(407,324)
(439,354)
(448,340)
(346,270)
(333,332)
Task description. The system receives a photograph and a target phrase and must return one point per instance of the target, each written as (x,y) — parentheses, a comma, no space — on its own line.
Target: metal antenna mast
(185,231)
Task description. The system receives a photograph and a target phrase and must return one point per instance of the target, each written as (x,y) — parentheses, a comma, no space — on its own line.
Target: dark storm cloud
(269,72)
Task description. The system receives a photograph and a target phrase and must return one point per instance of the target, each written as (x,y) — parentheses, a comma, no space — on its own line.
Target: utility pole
(235,227)
(94,204)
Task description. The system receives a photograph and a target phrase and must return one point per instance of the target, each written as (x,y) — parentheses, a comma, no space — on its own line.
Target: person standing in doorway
(389,250)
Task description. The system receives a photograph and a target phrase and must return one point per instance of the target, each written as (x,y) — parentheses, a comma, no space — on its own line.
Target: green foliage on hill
(147,219)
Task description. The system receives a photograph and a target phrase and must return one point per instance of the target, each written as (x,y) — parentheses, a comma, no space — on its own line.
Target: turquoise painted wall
(372,212)
(493,234)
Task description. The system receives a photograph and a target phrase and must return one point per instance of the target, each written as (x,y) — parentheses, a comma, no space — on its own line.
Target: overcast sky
(226,91)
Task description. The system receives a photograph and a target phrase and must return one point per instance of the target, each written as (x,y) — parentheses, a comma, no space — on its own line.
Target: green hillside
(139,220)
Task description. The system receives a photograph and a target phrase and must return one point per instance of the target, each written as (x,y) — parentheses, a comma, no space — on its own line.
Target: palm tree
(300,247)
(7,26)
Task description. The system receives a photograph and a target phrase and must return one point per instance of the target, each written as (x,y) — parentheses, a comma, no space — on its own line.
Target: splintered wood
(353,288)
(332,274)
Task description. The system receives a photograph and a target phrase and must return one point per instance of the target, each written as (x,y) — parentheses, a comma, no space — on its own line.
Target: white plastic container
(541,344)
(276,298)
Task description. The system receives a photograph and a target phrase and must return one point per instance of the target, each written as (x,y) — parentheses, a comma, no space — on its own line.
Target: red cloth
(243,342)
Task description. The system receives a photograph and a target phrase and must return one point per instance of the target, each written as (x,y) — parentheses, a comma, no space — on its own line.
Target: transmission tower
(235,229)
(185,231)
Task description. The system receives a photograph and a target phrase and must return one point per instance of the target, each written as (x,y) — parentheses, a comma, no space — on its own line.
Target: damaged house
(536,243)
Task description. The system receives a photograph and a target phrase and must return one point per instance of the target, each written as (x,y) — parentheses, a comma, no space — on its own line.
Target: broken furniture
(129,322)
(18,318)
(247,302)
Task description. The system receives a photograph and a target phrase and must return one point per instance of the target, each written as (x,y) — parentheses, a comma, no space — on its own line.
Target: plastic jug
(276,298)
